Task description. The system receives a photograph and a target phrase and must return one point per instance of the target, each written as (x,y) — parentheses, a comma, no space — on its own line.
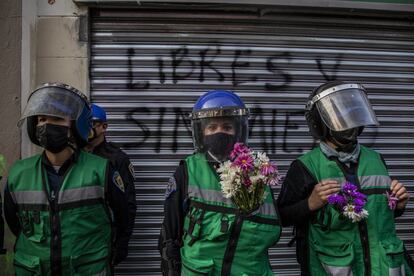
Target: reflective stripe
(30,197)
(337,179)
(65,196)
(217,196)
(370,181)
(208,195)
(267,209)
(80,194)
(338,270)
(375,181)
(397,271)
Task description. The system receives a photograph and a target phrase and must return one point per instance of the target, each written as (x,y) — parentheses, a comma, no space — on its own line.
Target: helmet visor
(53,101)
(346,109)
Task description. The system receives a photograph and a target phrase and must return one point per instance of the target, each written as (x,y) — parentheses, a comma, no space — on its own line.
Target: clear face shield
(53,101)
(215,133)
(344,107)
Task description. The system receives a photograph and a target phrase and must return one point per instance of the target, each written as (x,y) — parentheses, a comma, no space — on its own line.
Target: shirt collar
(65,166)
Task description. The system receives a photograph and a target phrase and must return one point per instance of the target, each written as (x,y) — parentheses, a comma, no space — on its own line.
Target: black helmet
(59,100)
(338,106)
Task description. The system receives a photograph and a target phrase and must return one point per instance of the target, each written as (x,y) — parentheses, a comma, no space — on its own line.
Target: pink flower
(238,149)
(267,168)
(244,162)
(392,200)
(247,182)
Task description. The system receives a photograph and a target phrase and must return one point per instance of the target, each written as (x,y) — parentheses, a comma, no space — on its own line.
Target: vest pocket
(32,224)
(336,259)
(91,263)
(392,256)
(196,267)
(192,225)
(26,264)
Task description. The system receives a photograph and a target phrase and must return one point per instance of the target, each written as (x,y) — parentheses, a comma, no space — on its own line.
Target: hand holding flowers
(244,177)
(398,196)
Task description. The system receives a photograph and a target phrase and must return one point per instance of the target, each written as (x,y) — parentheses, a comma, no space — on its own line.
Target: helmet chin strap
(214,157)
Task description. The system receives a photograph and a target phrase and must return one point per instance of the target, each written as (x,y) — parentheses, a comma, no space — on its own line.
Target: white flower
(263,157)
(229,179)
(257,178)
(349,212)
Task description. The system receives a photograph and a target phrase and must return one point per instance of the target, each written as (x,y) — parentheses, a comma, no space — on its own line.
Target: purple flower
(349,188)
(358,208)
(267,168)
(359,195)
(337,199)
(238,149)
(245,162)
(359,202)
(392,200)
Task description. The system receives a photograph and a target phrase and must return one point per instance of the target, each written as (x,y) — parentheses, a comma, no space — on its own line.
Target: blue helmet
(218,99)
(98,113)
(219,107)
(59,100)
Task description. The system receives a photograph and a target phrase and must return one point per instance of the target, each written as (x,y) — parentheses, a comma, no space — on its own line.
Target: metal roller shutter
(149,65)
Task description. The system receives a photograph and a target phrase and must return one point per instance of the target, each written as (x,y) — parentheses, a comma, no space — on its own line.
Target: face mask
(345,139)
(54,138)
(219,144)
(92,135)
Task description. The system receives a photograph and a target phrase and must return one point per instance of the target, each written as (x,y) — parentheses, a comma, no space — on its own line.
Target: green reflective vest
(2,165)
(217,239)
(70,235)
(339,247)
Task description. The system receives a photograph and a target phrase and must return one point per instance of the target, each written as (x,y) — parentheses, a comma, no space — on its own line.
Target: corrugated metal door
(149,65)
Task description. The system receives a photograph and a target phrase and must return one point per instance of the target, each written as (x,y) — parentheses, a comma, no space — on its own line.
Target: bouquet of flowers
(349,202)
(244,177)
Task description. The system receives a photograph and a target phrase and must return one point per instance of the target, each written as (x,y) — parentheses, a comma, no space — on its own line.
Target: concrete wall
(10,58)
(52,51)
(10,48)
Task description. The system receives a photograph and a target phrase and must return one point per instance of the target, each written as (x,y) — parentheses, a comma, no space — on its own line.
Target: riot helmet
(340,110)
(98,113)
(219,120)
(61,101)
(99,124)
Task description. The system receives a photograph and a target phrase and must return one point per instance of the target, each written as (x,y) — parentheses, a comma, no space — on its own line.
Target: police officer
(2,169)
(98,145)
(326,242)
(202,232)
(60,203)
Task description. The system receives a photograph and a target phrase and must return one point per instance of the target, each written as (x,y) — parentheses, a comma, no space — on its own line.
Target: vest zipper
(56,237)
(362,225)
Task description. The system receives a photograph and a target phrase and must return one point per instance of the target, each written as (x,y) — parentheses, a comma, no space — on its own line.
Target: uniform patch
(131,169)
(171,187)
(117,179)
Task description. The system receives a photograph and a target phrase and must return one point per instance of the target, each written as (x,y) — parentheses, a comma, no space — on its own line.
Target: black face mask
(345,140)
(219,144)
(54,138)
